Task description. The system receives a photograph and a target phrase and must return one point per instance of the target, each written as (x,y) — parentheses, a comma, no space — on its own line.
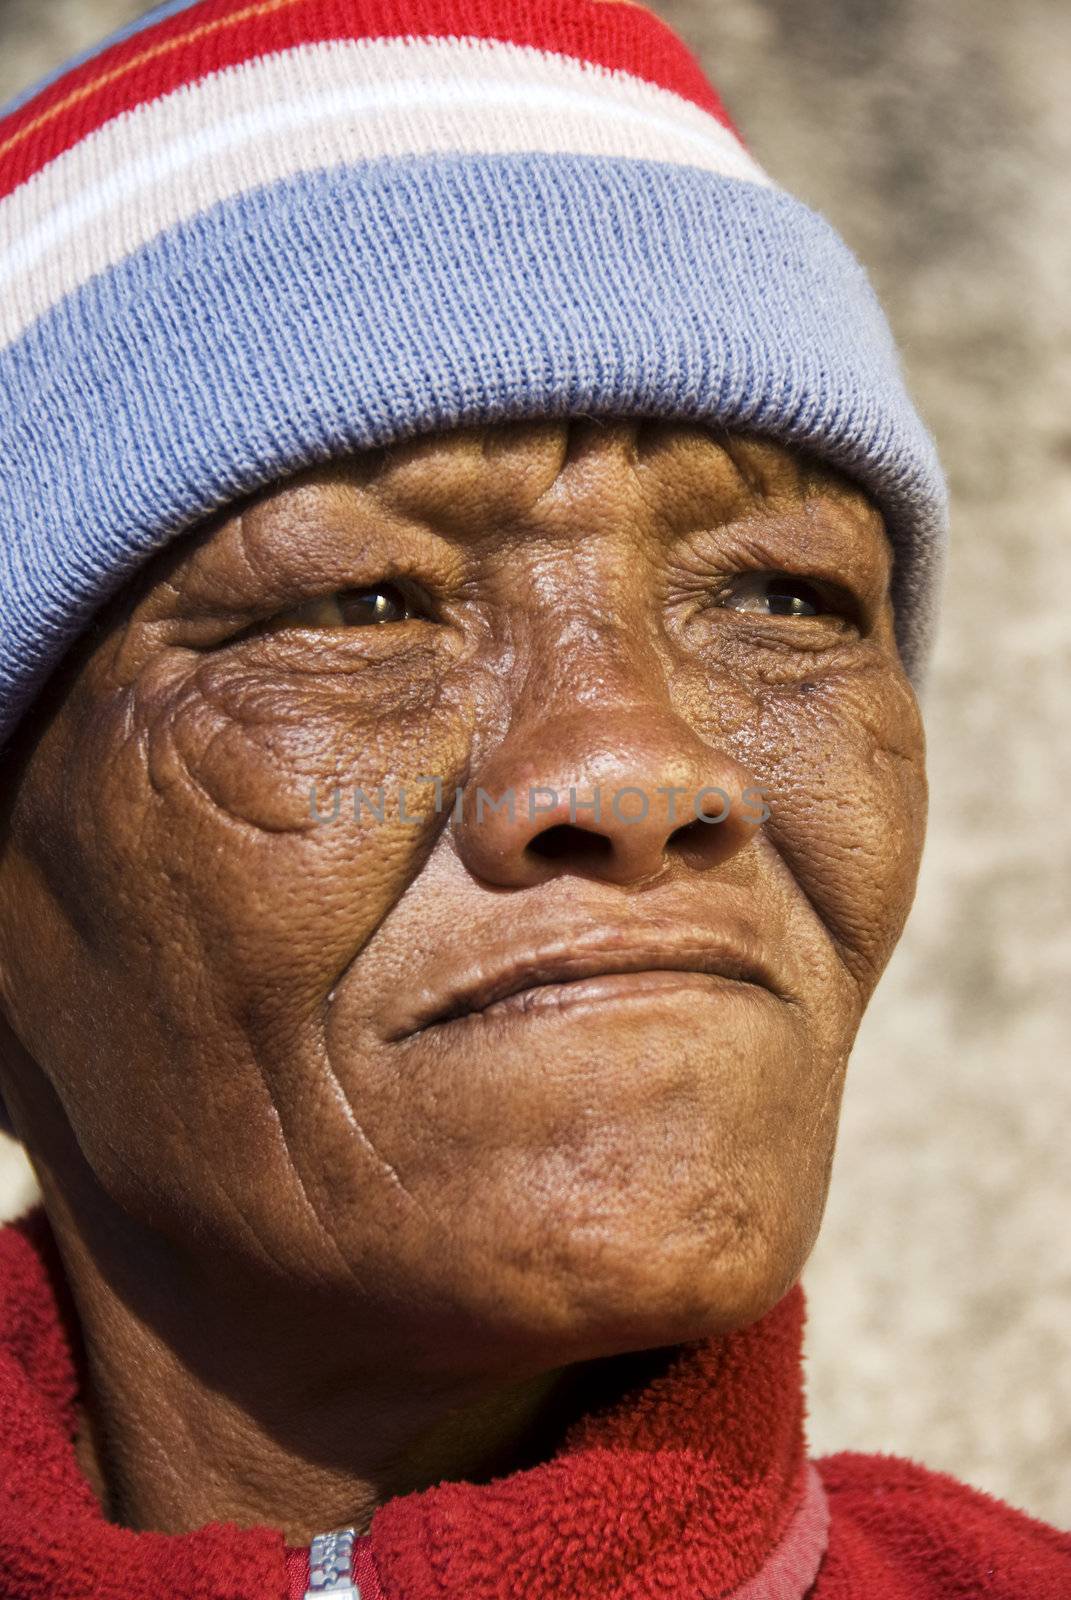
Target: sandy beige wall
(936,136)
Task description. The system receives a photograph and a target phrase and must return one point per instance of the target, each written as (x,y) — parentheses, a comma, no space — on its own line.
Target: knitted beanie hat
(239,238)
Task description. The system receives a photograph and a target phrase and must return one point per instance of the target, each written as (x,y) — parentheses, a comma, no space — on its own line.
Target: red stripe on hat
(617,34)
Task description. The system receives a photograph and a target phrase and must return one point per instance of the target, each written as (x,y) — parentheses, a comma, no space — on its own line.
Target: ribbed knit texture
(241,238)
(693,1484)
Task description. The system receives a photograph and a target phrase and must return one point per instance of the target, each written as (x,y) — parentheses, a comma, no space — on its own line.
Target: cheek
(844,771)
(288,821)
(192,904)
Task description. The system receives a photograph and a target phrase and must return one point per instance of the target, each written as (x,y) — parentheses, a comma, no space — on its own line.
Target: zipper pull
(331,1567)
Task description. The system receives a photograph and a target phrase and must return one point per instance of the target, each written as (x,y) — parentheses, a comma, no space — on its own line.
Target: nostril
(566,840)
(704,844)
(688,833)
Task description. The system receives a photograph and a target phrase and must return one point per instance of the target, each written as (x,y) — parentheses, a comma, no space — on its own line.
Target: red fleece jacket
(693,1485)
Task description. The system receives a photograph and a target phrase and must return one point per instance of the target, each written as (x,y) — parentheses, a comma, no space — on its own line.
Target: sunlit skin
(324,1248)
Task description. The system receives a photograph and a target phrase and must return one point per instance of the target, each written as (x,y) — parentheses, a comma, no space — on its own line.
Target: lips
(589,955)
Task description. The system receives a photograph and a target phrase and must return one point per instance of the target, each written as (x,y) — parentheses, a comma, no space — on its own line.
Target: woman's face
(282,1037)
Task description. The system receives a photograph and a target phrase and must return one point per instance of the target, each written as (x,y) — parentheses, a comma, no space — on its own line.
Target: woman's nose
(616,796)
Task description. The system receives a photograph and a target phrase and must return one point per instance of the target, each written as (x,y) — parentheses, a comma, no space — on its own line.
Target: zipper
(341,1567)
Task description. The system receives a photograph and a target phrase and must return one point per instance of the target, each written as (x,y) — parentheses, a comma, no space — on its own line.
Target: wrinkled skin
(322,1256)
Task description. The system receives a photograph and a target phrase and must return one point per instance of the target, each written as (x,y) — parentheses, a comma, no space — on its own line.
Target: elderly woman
(467,563)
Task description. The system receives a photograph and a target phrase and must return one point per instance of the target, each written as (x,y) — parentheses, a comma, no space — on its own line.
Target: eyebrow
(841,540)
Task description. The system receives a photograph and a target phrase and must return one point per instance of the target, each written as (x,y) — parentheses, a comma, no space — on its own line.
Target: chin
(580,1280)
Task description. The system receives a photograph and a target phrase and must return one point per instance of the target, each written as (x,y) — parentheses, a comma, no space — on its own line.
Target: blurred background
(937,139)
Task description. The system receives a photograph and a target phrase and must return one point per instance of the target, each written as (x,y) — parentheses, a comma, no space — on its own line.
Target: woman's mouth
(590,970)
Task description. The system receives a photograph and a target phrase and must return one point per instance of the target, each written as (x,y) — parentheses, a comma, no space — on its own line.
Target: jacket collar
(693,1482)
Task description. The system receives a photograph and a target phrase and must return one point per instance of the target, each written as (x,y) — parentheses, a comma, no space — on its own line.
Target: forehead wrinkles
(470,478)
(683,472)
(705,479)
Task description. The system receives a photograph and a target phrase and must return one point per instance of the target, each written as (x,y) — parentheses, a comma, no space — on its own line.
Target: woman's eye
(777,594)
(350,608)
